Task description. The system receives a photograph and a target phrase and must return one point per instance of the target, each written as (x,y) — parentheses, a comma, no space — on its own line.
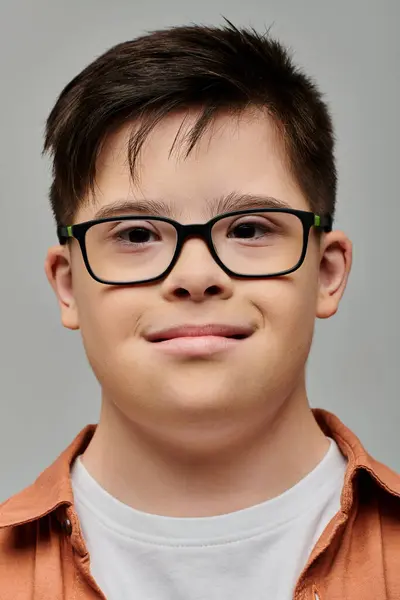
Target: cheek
(108,320)
(288,307)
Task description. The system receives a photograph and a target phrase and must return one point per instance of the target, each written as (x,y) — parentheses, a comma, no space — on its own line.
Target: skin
(189,436)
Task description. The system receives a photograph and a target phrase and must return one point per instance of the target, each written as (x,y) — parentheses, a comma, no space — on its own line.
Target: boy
(194,195)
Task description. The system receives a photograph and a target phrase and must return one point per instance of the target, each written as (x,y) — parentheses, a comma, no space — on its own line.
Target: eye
(250,230)
(137,235)
(134,234)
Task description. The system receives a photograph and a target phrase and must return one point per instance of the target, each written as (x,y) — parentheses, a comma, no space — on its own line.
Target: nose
(196,276)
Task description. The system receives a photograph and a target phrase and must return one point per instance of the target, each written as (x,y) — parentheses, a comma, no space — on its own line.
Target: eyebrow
(235,201)
(157,208)
(224,204)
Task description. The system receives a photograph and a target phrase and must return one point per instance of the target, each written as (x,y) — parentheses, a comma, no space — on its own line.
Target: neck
(240,468)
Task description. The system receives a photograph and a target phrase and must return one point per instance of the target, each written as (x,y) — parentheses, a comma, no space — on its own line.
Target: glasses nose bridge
(195,230)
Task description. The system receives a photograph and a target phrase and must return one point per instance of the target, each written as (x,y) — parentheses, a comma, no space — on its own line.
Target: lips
(237,332)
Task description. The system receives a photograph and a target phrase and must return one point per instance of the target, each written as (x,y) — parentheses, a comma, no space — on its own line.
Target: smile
(199,340)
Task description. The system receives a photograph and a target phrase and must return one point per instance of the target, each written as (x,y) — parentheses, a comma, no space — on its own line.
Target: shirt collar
(359,460)
(52,489)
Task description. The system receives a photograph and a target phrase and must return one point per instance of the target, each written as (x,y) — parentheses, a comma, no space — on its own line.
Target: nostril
(181,293)
(213,290)
(195,292)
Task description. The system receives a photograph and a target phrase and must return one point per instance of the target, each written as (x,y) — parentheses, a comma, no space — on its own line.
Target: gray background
(352,47)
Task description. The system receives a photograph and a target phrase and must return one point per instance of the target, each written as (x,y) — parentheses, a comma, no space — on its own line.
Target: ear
(335,265)
(59,274)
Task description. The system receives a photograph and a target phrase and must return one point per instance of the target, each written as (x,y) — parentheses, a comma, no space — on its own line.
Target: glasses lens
(259,243)
(130,250)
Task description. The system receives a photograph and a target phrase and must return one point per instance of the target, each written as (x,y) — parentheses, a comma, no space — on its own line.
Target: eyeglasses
(250,244)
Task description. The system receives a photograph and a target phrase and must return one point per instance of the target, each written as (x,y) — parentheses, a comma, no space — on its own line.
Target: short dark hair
(212,68)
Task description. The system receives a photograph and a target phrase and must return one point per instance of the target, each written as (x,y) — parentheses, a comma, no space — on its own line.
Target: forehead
(236,155)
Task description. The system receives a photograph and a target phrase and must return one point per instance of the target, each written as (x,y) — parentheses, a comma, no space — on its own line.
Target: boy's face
(251,378)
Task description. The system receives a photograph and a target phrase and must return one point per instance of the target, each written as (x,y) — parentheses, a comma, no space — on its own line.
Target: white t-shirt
(256,553)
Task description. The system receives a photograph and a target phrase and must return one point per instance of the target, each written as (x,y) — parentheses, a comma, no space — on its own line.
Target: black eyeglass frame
(199,230)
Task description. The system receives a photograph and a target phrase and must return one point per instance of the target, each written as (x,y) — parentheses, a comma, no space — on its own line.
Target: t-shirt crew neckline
(317,485)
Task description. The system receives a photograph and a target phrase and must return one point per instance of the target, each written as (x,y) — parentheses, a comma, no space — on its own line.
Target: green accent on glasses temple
(69,231)
(317,220)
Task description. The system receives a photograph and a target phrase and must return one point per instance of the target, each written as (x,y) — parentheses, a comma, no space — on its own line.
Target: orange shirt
(43,554)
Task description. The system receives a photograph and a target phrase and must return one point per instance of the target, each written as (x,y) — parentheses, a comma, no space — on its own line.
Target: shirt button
(66,526)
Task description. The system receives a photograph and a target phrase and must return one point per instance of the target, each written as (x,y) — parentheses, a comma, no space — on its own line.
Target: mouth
(232,332)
